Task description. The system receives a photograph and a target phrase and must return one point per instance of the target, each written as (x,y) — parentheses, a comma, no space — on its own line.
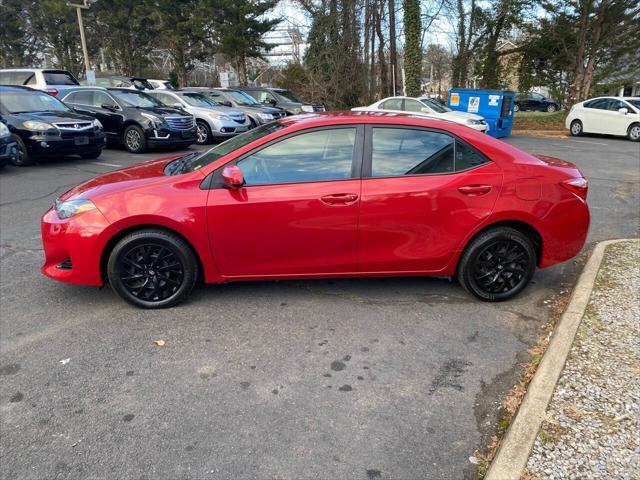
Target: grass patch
(539,121)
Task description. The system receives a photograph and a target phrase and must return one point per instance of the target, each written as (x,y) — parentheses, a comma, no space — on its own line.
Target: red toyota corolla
(322,195)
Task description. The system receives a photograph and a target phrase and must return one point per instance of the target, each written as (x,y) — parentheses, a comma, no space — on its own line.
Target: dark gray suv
(282,98)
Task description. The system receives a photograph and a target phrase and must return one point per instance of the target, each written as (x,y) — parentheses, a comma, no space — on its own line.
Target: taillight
(52,91)
(579,186)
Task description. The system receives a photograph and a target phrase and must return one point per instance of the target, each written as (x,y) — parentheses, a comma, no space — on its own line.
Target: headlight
(295,111)
(97,124)
(71,208)
(218,116)
(37,126)
(267,117)
(4,131)
(307,108)
(471,121)
(156,122)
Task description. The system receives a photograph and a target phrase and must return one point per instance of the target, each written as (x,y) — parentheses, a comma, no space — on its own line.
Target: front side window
(241,98)
(600,104)
(80,98)
(392,104)
(287,96)
(615,105)
(29,101)
(408,151)
(433,105)
(101,98)
(413,106)
(316,156)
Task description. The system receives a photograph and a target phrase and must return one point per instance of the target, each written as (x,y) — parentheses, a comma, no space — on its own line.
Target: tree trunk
(384,86)
(393,56)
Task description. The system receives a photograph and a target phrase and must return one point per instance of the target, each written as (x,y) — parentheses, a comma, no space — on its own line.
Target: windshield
(242,98)
(132,98)
(229,146)
(197,100)
(24,102)
(634,101)
(434,105)
(286,95)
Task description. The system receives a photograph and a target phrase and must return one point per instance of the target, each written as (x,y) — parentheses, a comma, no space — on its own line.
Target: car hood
(262,109)
(456,116)
(52,117)
(129,177)
(162,111)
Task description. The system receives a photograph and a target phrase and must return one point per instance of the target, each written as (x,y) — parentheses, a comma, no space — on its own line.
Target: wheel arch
(120,234)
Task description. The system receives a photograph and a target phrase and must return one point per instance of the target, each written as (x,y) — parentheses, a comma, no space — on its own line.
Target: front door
(422,192)
(297,213)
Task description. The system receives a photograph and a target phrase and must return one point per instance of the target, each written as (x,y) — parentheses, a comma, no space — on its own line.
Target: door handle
(475,190)
(339,198)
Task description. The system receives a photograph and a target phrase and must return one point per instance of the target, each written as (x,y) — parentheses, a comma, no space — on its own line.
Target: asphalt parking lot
(380,378)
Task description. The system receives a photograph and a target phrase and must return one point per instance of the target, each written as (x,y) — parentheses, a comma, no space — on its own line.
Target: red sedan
(322,195)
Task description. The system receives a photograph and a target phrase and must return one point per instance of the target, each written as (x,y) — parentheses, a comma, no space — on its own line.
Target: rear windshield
(133,98)
(59,78)
(25,102)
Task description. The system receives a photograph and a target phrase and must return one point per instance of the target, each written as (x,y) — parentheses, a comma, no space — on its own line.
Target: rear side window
(59,78)
(467,157)
(13,77)
(406,151)
(317,156)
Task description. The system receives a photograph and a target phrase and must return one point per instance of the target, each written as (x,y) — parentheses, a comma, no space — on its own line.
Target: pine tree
(412,50)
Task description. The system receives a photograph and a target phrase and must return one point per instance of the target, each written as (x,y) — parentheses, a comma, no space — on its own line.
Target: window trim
(214,179)
(368,151)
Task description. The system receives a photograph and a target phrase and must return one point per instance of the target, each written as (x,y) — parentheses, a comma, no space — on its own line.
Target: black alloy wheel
(497,264)
(152,269)
(22,157)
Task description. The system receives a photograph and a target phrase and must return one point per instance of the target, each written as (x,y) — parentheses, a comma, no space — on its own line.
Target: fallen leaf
(65,361)
(159,343)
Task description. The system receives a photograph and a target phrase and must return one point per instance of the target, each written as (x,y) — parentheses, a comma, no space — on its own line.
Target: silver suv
(212,120)
(49,80)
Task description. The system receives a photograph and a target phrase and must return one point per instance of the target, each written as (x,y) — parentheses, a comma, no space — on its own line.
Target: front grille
(318,108)
(180,123)
(278,115)
(74,126)
(66,265)
(238,118)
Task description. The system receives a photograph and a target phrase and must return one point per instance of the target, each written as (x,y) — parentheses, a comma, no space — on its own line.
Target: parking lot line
(587,141)
(106,164)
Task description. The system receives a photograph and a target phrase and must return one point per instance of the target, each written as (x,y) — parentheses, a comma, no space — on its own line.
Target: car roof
(34,70)
(9,88)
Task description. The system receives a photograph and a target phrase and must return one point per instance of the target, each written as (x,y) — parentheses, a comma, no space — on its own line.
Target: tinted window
(32,101)
(17,78)
(404,151)
(435,105)
(393,104)
(309,157)
(615,104)
(467,157)
(634,102)
(80,98)
(600,104)
(413,106)
(59,78)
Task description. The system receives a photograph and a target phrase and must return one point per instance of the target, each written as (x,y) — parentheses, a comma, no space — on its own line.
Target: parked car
(606,115)
(8,146)
(535,102)
(119,81)
(44,126)
(281,98)
(212,120)
(425,106)
(48,80)
(258,113)
(133,118)
(335,195)
(161,84)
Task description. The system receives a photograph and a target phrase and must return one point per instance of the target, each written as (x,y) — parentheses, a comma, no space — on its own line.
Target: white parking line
(106,164)
(586,141)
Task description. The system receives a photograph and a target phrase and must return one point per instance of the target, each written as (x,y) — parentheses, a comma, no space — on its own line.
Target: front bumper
(73,247)
(8,151)
(228,128)
(66,144)
(484,128)
(166,137)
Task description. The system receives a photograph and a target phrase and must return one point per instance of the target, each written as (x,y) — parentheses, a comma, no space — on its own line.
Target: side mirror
(232,176)
(425,110)
(270,101)
(623,110)
(107,106)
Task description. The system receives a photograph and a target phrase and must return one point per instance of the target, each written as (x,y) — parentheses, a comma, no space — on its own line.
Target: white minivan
(607,115)
(48,80)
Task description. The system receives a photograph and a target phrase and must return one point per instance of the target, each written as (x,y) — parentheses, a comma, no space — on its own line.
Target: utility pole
(85,53)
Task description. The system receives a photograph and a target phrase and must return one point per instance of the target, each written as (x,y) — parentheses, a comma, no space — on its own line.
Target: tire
(90,155)
(576,128)
(23,159)
(516,107)
(134,139)
(152,269)
(497,264)
(634,132)
(551,108)
(203,133)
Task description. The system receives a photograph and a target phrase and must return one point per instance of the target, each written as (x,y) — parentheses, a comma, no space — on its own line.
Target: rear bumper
(566,229)
(73,247)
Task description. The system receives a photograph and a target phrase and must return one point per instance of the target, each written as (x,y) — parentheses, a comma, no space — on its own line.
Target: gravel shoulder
(592,425)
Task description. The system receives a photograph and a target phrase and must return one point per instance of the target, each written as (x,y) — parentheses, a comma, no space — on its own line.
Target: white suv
(606,115)
(50,81)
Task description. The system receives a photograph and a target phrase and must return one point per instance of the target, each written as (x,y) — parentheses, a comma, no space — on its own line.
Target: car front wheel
(203,133)
(576,128)
(634,132)
(516,107)
(152,269)
(134,139)
(22,157)
(497,264)
(551,108)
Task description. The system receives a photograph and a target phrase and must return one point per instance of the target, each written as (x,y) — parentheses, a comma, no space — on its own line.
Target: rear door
(297,213)
(422,192)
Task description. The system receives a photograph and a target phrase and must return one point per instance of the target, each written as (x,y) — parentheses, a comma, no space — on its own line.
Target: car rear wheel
(634,132)
(516,107)
(203,133)
(134,139)
(551,108)
(576,128)
(497,264)
(152,269)
(22,157)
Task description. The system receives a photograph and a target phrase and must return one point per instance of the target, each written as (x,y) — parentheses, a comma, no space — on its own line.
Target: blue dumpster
(496,106)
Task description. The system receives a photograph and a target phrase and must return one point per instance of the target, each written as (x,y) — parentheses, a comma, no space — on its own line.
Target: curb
(540,133)
(513,454)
